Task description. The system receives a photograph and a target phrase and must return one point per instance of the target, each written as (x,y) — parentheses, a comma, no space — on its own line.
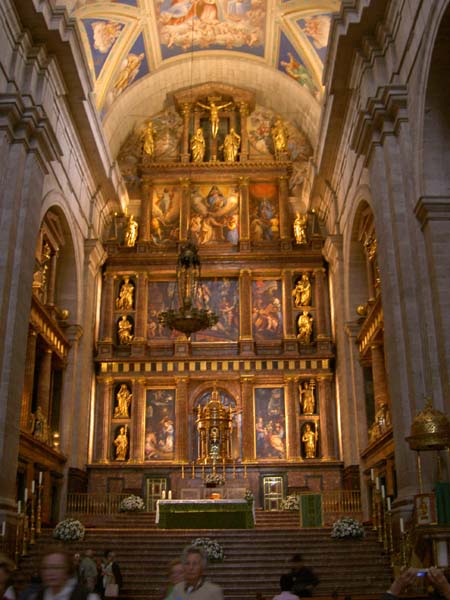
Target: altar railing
(346,502)
(94,504)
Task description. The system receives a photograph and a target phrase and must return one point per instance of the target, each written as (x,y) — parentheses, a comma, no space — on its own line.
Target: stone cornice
(432,208)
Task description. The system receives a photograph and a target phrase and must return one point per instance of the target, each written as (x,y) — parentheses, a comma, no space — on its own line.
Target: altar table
(204,514)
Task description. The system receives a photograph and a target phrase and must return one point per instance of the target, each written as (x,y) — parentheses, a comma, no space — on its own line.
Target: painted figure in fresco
(300,225)
(214,113)
(299,72)
(148,138)
(131,232)
(279,137)
(309,439)
(307,400)
(126,292)
(265,223)
(121,443)
(124,328)
(151,445)
(230,146)
(167,432)
(302,291)
(198,146)
(123,398)
(276,440)
(128,72)
(304,324)
(214,218)
(105,34)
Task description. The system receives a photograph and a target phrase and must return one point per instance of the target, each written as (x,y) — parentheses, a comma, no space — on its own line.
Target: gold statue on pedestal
(302,291)
(198,146)
(123,398)
(309,439)
(230,146)
(307,400)
(124,328)
(121,443)
(125,299)
(148,138)
(300,225)
(304,324)
(279,137)
(131,232)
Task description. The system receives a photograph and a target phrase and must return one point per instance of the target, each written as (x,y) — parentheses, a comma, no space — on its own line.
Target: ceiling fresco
(127,40)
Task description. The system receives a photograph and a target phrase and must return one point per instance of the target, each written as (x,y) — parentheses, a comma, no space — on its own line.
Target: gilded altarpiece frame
(270,423)
(160,424)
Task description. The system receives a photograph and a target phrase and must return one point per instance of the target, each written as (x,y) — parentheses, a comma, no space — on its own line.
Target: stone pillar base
(247,347)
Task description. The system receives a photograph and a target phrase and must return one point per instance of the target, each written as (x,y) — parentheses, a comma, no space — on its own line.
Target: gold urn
(430,430)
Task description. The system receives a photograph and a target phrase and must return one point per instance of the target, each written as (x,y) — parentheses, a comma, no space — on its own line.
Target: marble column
(28,384)
(50,299)
(379,375)
(244,224)
(137,433)
(327,412)
(146,209)
(102,450)
(283,203)
(186,113)
(293,437)
(182,451)
(248,419)
(185,208)
(243,111)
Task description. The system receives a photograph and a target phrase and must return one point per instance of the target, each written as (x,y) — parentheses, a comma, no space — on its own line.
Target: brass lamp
(192,314)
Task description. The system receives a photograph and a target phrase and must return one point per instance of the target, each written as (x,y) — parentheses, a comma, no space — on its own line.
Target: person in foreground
(59,581)
(286,585)
(305,579)
(408,578)
(195,586)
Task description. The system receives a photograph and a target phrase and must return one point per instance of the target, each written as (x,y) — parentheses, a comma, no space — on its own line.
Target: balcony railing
(93,504)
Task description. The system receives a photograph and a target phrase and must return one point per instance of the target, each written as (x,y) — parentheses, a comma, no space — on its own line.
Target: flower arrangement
(346,527)
(131,504)
(69,530)
(211,548)
(214,479)
(291,502)
(248,495)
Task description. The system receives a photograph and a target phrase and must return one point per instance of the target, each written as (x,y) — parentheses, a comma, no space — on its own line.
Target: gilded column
(186,113)
(245,297)
(28,380)
(283,203)
(44,383)
(103,420)
(248,419)
(138,420)
(52,279)
(320,303)
(107,308)
(146,210)
(140,318)
(182,421)
(327,429)
(244,225)
(243,111)
(293,444)
(379,375)
(185,208)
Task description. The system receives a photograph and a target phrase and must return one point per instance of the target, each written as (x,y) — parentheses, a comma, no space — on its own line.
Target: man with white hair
(195,586)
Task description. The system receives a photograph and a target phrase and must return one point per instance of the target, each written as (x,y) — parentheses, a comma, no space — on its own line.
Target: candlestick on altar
(234,469)
(182,471)
(224,473)
(39,505)
(193,470)
(18,530)
(40,477)
(372,475)
(33,486)
(203,471)
(25,534)
(245,471)
(32,517)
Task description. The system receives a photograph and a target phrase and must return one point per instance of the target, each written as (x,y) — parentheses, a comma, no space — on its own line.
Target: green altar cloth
(204,514)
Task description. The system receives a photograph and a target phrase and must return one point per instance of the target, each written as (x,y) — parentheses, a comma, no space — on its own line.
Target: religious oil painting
(160,298)
(233,25)
(165,220)
(221,295)
(214,214)
(267,316)
(160,424)
(102,35)
(270,423)
(264,213)
(317,28)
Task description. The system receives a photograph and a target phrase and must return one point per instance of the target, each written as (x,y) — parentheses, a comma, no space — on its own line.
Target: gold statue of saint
(121,443)
(307,400)
(131,232)
(300,225)
(304,324)
(124,328)
(231,145)
(148,137)
(198,146)
(302,291)
(214,114)
(123,398)
(125,299)
(279,137)
(309,438)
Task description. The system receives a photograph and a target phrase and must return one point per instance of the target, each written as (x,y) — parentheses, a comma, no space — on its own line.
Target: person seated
(408,578)
(286,585)
(304,578)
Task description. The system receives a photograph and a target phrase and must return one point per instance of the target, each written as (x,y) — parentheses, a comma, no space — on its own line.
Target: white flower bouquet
(131,504)
(69,530)
(346,527)
(214,479)
(212,549)
(291,503)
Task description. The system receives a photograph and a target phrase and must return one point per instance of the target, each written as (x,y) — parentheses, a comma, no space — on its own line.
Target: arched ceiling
(139,49)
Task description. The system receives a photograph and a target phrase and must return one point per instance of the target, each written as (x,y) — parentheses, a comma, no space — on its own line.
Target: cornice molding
(432,208)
